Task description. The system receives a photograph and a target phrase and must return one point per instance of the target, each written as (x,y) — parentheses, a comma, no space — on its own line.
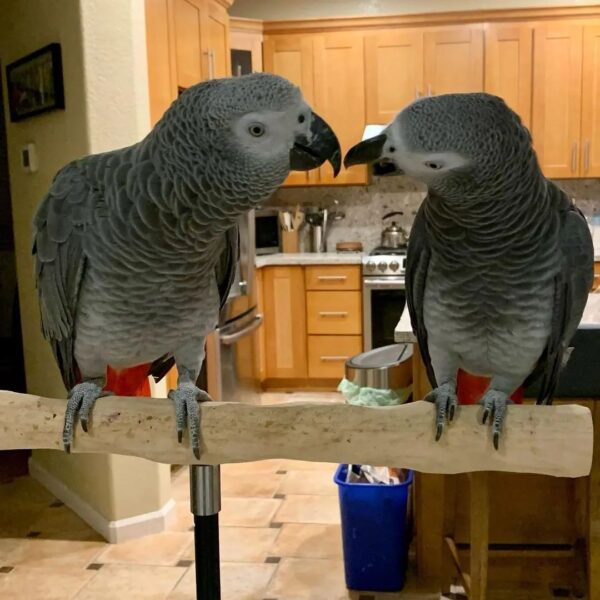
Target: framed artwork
(35,83)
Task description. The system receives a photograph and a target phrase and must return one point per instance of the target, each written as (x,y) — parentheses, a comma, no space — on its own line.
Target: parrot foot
(80,401)
(494,407)
(186,398)
(446,402)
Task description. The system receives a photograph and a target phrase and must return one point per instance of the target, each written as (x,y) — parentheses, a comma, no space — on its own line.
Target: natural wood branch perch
(551,440)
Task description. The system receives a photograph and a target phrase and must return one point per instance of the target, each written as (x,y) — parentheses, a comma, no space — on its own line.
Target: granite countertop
(591,319)
(309,258)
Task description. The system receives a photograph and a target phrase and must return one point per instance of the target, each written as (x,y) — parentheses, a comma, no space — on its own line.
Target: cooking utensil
(393,236)
(349,247)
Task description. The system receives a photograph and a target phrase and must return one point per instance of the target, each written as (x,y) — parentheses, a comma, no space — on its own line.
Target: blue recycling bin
(375,533)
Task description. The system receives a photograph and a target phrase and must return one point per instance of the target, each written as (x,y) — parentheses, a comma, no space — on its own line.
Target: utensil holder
(290,241)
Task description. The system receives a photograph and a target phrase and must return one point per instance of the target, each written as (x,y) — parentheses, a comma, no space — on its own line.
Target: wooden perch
(550,440)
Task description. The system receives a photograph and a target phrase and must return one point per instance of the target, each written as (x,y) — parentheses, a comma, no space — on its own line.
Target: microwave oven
(267,231)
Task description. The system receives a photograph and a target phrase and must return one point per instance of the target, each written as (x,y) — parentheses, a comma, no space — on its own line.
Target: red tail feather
(128,382)
(471,388)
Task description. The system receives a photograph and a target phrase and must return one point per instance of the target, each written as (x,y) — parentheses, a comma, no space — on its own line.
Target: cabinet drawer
(327,354)
(337,313)
(333,277)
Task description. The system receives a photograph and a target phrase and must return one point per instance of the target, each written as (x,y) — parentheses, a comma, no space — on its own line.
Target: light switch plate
(29,159)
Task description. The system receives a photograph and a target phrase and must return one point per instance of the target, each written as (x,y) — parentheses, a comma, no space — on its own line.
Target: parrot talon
(445,400)
(186,398)
(80,401)
(486,414)
(496,439)
(494,407)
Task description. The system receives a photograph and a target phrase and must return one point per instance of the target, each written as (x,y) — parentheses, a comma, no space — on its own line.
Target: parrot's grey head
(249,132)
(449,142)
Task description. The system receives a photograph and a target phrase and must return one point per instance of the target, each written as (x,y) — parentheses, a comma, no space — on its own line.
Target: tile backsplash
(364,206)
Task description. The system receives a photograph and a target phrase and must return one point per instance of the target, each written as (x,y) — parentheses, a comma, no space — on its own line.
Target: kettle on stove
(394,235)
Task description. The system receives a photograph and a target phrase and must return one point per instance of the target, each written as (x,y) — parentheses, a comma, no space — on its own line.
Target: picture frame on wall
(35,83)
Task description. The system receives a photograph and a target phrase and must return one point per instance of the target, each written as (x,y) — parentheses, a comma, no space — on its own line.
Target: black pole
(205,500)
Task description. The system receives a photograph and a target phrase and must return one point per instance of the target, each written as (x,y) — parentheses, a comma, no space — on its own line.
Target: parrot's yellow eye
(256,129)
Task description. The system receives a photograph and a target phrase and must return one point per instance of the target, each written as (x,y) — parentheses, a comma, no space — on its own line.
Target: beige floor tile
(306,540)
(160,549)
(17,520)
(131,582)
(250,485)
(308,482)
(303,465)
(239,581)
(260,466)
(248,512)
(8,548)
(48,583)
(181,518)
(308,579)
(27,491)
(242,544)
(57,553)
(309,509)
(63,524)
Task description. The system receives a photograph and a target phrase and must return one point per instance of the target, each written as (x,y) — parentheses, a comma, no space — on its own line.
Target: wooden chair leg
(480,504)
(593,537)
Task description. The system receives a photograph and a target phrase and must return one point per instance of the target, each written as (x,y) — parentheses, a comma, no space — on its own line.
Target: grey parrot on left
(500,261)
(135,249)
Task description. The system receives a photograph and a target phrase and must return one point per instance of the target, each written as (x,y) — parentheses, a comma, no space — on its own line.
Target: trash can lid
(386,356)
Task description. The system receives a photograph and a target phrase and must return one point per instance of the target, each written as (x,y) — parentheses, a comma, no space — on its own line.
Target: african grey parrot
(136,248)
(500,261)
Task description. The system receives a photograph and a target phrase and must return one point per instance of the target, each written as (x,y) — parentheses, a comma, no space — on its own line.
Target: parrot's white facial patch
(270,133)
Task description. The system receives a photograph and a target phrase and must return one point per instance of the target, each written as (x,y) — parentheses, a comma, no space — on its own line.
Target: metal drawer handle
(333,313)
(333,358)
(574,156)
(586,156)
(232,338)
(332,277)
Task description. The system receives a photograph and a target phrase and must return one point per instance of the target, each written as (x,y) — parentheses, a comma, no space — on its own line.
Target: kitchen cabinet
(509,65)
(247,35)
(312,324)
(453,60)
(284,322)
(339,72)
(291,56)
(590,109)
(187,41)
(596,283)
(556,115)
(392,51)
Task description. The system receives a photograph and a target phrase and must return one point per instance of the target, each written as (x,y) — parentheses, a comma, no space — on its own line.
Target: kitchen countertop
(308,258)
(591,318)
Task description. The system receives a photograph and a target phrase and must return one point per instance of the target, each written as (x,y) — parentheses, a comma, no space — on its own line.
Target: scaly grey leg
(80,401)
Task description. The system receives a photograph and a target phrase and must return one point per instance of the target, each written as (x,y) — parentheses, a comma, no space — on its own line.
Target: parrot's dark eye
(256,129)
(392,149)
(434,165)
(301,119)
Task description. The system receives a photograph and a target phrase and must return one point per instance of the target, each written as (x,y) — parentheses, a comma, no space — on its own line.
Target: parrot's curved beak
(370,152)
(323,145)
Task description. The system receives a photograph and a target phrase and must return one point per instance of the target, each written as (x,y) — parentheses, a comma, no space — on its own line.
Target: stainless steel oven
(384,297)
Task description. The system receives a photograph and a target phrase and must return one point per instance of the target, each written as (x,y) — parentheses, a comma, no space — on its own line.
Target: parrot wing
(226,265)
(572,287)
(60,262)
(417,264)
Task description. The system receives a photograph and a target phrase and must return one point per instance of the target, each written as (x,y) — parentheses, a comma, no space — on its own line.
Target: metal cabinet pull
(574,157)
(333,358)
(586,156)
(210,54)
(333,313)
(429,92)
(417,93)
(332,277)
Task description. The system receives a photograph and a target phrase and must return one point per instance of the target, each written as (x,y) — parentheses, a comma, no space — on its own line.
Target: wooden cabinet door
(453,60)
(394,72)
(556,113)
(291,56)
(186,33)
(590,108)
(285,322)
(509,66)
(162,87)
(216,51)
(339,68)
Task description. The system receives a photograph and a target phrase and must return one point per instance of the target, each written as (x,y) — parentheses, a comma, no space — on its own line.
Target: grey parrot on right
(136,248)
(500,261)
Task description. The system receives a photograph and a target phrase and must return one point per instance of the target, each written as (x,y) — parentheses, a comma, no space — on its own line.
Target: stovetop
(383,251)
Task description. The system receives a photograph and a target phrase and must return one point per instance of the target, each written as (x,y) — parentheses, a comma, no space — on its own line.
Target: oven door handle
(231,338)
(384,282)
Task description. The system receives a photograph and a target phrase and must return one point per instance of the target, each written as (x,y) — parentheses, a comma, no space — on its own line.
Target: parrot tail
(128,382)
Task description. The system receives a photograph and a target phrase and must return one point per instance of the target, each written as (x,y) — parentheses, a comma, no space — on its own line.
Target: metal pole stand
(205,504)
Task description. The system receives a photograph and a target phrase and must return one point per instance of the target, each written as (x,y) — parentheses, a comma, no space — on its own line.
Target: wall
(364,206)
(106,96)
(285,9)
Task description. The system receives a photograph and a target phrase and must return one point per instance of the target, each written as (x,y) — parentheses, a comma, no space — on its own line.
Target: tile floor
(280,540)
